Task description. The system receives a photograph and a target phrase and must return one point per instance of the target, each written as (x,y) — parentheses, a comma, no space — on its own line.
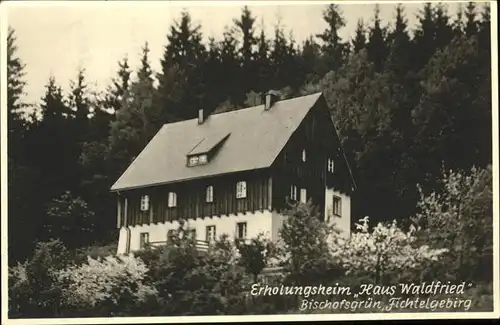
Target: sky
(58,38)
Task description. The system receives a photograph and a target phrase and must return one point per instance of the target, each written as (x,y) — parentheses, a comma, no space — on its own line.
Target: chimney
(200,116)
(270,98)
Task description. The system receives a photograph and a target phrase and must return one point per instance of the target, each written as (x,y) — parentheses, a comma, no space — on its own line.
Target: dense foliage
(180,279)
(407,105)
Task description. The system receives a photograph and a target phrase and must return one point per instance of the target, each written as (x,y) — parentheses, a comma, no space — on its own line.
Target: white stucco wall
(266,222)
(257,222)
(344,222)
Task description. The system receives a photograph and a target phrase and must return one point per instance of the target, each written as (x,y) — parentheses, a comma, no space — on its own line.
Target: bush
(385,255)
(304,246)
(111,284)
(191,282)
(33,289)
(460,219)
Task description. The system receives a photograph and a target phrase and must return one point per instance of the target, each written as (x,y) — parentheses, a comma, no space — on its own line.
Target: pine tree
(15,87)
(214,79)
(262,59)
(230,65)
(138,119)
(398,60)
(55,150)
(310,61)
(471,24)
(484,33)
(283,60)
(452,113)
(334,50)
(245,26)
(444,30)
(424,38)
(377,48)
(20,177)
(119,87)
(80,105)
(359,41)
(184,57)
(458,23)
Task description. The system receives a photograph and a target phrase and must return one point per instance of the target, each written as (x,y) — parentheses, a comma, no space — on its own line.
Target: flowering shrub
(383,253)
(460,219)
(110,281)
(19,288)
(32,286)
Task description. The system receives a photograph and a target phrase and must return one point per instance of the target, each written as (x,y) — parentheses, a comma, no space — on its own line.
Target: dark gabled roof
(256,138)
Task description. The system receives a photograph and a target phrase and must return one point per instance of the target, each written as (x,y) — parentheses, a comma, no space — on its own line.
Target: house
(233,173)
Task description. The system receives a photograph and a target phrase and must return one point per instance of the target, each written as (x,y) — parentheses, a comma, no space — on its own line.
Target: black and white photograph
(272,160)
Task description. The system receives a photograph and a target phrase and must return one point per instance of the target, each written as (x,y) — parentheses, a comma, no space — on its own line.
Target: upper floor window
(193,161)
(303,195)
(241,230)
(197,160)
(241,190)
(144,239)
(211,234)
(331,165)
(337,207)
(145,203)
(172,199)
(203,159)
(293,193)
(209,194)
(304,155)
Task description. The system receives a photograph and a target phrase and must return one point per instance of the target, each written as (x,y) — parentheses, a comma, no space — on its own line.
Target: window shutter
(244,189)
(144,203)
(303,195)
(172,199)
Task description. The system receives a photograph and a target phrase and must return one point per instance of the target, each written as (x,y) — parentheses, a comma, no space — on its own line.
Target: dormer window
(331,165)
(206,149)
(197,160)
(193,161)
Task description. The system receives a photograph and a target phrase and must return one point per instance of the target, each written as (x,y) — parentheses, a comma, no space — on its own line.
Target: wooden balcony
(201,245)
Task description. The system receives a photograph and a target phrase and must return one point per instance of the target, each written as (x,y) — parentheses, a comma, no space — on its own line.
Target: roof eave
(129,188)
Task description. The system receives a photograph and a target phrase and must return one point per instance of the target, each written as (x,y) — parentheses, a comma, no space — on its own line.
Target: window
(170,236)
(198,160)
(304,155)
(293,193)
(203,159)
(303,195)
(193,161)
(331,165)
(145,203)
(210,194)
(172,199)
(144,239)
(241,230)
(211,235)
(337,206)
(241,190)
